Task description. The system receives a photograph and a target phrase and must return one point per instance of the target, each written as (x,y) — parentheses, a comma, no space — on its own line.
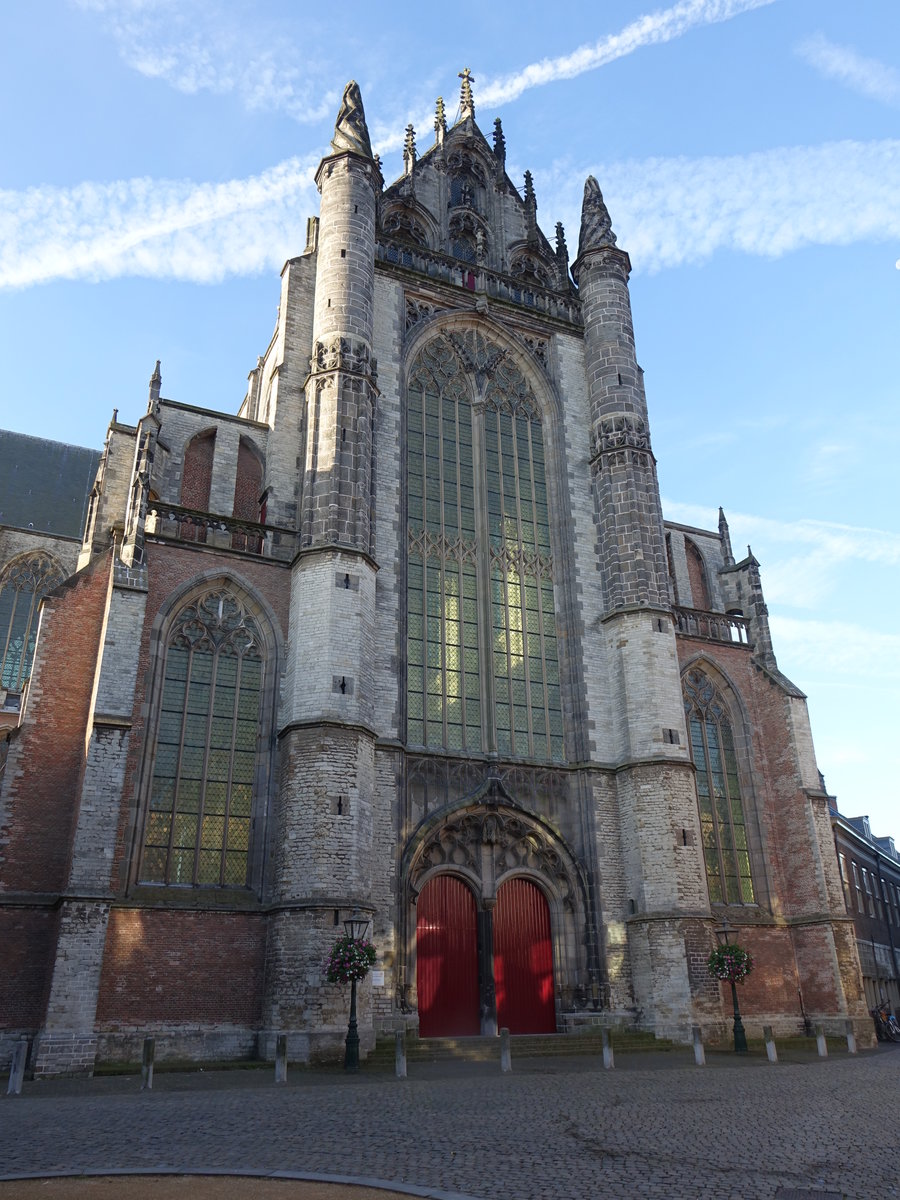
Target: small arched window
(22,584)
(723,820)
(205,763)
(697,576)
(196,479)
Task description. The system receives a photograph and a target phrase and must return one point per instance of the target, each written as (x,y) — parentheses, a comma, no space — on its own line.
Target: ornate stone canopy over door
(485,842)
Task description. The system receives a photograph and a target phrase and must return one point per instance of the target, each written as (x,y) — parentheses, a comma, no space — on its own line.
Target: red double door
(447,955)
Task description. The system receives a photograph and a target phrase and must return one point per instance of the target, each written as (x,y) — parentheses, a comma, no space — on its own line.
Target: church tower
(322,853)
(654,780)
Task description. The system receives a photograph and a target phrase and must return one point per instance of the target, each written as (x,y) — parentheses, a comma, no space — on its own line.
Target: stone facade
(412,616)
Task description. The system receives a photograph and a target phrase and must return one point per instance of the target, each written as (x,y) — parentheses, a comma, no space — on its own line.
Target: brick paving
(657,1127)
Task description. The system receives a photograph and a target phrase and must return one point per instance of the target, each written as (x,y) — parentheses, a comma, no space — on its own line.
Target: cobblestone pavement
(656,1127)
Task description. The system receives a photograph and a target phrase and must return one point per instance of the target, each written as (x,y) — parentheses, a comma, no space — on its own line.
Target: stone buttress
(659,831)
(322,864)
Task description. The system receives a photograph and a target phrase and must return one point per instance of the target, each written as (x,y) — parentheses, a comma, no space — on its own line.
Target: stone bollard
(609,1060)
(851,1037)
(505,1056)
(699,1052)
(281,1058)
(147,1055)
(400,1053)
(769,1035)
(17,1068)
(820,1041)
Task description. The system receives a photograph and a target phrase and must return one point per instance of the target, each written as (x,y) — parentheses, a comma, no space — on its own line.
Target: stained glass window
(483,669)
(200,810)
(22,584)
(723,822)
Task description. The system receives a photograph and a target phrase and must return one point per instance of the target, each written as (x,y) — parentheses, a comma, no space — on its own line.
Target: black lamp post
(355,927)
(723,936)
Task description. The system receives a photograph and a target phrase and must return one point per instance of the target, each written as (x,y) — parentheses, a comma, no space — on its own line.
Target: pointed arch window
(483,668)
(200,811)
(23,582)
(722,809)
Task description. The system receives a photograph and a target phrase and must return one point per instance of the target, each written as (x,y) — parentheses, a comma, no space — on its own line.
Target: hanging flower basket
(350,960)
(731,963)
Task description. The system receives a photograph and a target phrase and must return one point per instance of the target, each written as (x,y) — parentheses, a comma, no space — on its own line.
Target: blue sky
(156,160)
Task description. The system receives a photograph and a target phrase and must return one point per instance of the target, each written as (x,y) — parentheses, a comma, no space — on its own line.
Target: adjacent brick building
(409,634)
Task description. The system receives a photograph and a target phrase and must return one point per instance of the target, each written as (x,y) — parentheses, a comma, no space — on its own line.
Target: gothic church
(407,634)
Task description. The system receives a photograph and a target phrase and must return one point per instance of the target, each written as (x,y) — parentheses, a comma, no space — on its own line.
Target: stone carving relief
(489,842)
(622,438)
(400,222)
(338,353)
(418,310)
(538,347)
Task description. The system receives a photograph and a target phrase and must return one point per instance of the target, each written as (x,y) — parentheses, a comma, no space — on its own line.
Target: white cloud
(194,48)
(156,229)
(867,76)
(671,211)
(836,543)
(648,30)
(837,647)
(668,212)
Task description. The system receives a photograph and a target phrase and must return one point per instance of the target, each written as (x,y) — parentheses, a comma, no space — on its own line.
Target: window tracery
(199,816)
(723,821)
(23,583)
(483,670)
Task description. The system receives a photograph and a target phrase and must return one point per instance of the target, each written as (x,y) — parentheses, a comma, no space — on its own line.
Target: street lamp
(355,927)
(723,937)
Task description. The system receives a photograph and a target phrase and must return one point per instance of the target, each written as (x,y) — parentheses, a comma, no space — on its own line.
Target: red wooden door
(447,959)
(523,959)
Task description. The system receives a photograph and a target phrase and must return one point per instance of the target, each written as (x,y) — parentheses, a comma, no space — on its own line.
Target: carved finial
(155,385)
(499,142)
(440,121)
(562,250)
(376,159)
(596,226)
(350,130)
(530,206)
(409,150)
(725,539)
(466,103)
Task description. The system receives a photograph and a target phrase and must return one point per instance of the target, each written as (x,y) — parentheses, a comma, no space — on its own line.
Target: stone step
(486,1049)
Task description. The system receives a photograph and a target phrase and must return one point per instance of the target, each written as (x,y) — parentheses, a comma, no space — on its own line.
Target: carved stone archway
(485,840)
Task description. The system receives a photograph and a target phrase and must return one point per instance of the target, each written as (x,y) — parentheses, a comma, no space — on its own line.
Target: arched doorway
(447,959)
(523,959)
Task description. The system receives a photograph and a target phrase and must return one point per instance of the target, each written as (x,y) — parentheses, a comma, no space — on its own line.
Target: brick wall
(182,968)
(46,760)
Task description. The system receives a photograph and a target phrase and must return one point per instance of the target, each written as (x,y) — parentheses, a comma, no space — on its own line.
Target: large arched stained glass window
(201,796)
(483,669)
(722,817)
(22,584)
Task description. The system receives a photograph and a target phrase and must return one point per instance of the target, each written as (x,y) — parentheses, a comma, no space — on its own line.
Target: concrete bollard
(769,1035)
(147,1055)
(17,1068)
(699,1052)
(505,1056)
(820,1041)
(851,1037)
(609,1060)
(400,1053)
(281,1058)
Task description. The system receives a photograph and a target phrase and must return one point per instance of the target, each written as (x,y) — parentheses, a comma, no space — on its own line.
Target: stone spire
(562,250)
(596,226)
(409,150)
(155,385)
(725,539)
(440,121)
(499,143)
(466,103)
(350,130)
(530,206)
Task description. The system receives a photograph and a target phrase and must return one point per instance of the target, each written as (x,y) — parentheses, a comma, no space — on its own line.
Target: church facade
(408,635)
